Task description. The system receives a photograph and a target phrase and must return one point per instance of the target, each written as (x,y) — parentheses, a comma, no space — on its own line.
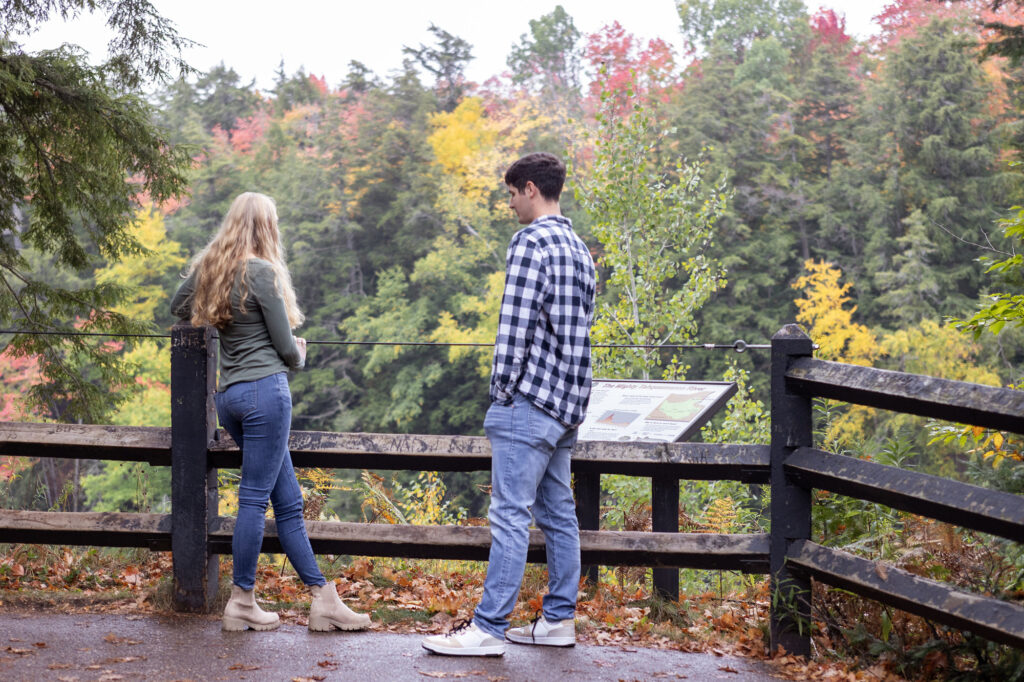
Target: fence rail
(797,468)
(738,552)
(195,449)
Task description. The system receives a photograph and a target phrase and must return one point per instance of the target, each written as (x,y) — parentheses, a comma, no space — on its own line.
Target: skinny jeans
(258,416)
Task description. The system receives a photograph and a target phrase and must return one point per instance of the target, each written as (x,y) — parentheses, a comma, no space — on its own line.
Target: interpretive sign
(652,411)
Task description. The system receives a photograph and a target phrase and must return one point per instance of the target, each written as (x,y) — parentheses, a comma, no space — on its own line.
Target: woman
(239,284)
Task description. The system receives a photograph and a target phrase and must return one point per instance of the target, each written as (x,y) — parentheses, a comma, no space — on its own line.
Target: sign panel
(652,411)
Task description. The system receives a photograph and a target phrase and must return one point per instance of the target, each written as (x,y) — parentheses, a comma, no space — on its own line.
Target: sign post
(651,411)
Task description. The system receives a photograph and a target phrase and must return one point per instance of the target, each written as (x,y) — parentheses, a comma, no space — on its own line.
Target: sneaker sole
(475,651)
(541,641)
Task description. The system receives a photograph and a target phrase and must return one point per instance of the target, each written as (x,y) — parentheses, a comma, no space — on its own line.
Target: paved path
(42,646)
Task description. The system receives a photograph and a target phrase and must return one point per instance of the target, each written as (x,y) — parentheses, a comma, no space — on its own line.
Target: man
(540,386)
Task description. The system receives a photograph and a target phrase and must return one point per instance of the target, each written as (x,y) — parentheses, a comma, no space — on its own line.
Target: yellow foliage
(424,501)
(461,135)
(831,325)
(839,338)
(378,500)
(316,484)
(486,310)
(937,350)
(473,147)
(721,515)
(140,271)
(929,348)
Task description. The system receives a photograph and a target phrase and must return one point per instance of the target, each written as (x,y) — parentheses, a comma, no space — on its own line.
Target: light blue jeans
(529,472)
(258,416)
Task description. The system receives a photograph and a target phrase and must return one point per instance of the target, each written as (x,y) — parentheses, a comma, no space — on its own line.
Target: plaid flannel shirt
(542,349)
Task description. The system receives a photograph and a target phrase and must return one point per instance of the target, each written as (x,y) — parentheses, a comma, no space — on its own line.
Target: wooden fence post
(587,490)
(193,480)
(665,519)
(791,428)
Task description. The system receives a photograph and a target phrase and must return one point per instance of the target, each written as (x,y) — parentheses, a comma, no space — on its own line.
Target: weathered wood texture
(665,519)
(193,479)
(101,529)
(87,441)
(994,619)
(617,548)
(586,488)
(693,461)
(696,461)
(965,505)
(791,428)
(959,401)
(614,548)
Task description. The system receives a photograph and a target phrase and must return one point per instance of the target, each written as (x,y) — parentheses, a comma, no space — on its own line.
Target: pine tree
(927,145)
(78,153)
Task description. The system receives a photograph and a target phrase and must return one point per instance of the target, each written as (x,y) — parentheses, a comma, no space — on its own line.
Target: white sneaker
(540,631)
(465,639)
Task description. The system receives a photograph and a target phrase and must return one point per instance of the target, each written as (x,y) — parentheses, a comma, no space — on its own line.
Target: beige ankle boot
(243,612)
(327,609)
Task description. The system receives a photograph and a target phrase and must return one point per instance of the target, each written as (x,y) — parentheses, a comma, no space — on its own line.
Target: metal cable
(739,345)
(70,334)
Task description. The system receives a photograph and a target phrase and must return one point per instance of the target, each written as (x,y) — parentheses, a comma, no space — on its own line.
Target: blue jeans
(529,471)
(258,416)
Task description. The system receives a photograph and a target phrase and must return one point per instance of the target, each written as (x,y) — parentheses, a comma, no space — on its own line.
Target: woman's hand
(301,343)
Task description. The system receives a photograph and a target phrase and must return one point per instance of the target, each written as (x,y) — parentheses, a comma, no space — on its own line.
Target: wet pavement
(47,646)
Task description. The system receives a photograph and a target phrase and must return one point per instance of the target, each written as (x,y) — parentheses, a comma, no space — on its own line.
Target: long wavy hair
(249,230)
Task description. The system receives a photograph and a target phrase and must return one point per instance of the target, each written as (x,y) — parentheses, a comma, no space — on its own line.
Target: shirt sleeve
(264,290)
(526,281)
(181,303)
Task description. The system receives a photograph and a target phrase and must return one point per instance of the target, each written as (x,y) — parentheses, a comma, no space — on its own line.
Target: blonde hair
(249,230)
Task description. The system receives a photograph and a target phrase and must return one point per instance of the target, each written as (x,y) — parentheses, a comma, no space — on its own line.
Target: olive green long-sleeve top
(257,342)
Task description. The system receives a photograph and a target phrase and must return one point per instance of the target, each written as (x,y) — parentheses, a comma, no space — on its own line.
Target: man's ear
(530,190)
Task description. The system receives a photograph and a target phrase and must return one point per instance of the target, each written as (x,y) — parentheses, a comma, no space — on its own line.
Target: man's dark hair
(546,171)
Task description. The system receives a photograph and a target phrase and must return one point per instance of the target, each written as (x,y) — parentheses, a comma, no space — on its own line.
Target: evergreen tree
(77,151)
(446,60)
(548,61)
(222,100)
(292,91)
(927,146)
(911,288)
(737,102)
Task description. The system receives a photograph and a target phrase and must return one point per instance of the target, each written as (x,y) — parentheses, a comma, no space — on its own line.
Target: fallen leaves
(19,652)
(111,638)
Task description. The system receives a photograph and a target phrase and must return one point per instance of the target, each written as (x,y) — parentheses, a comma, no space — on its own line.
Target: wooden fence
(195,449)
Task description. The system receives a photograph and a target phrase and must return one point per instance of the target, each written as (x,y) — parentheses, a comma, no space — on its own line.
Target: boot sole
(237,625)
(326,625)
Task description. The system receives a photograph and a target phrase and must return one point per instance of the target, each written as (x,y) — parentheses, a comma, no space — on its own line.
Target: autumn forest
(778,171)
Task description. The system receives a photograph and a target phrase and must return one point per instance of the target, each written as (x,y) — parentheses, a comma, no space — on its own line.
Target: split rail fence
(194,449)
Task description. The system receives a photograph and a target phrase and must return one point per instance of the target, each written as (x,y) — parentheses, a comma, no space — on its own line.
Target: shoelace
(459,627)
(533,627)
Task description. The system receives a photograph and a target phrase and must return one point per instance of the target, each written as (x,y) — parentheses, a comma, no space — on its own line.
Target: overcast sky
(323,36)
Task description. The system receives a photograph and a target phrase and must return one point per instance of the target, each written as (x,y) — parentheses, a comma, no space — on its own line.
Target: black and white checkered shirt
(542,349)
